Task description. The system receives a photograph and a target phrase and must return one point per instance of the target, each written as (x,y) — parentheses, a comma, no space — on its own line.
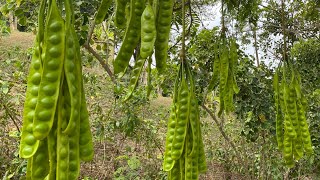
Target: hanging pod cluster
(149,21)
(184,154)
(147,26)
(292,130)
(56,132)
(224,66)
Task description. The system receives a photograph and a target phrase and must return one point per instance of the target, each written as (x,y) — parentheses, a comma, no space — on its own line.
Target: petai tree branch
(96,55)
(101,61)
(222,131)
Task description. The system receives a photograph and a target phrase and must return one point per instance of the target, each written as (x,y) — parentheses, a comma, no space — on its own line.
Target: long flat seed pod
(52,68)
(131,38)
(168,162)
(216,69)
(40,162)
(52,148)
(182,117)
(28,143)
(62,139)
(71,72)
(102,11)
(164,17)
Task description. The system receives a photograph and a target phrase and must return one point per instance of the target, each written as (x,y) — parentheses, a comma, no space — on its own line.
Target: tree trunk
(12,22)
(254,29)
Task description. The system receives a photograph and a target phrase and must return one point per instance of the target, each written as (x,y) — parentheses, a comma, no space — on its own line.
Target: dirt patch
(161,101)
(22,40)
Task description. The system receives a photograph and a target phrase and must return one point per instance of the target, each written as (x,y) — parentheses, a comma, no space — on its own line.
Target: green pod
(194,117)
(29,169)
(279,130)
(182,164)
(182,119)
(276,89)
(74,160)
(73,137)
(194,124)
(41,23)
(52,148)
(131,38)
(168,162)
(40,162)
(28,143)
(72,79)
(297,83)
(85,136)
(234,63)
(85,139)
(288,127)
(292,109)
(62,168)
(148,32)
(175,173)
(120,20)
(191,158)
(51,75)
(224,68)
(305,135)
(163,24)
(195,168)
(297,147)
(235,86)
(281,98)
(216,69)
(202,164)
(228,92)
(102,11)
(287,151)
(191,161)
(221,102)
(137,70)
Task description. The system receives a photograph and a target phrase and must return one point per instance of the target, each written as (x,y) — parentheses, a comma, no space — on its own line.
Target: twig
(90,32)
(191,20)
(101,61)
(12,117)
(222,131)
(179,8)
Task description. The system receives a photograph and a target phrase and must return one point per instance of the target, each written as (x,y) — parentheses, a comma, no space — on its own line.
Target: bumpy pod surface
(40,162)
(163,30)
(131,38)
(148,32)
(29,144)
(102,11)
(52,70)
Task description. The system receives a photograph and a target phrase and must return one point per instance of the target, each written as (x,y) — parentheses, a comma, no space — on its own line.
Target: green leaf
(133,163)
(23,21)
(18,12)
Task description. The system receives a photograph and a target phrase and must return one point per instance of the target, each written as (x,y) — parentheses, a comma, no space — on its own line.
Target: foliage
(134,131)
(11,97)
